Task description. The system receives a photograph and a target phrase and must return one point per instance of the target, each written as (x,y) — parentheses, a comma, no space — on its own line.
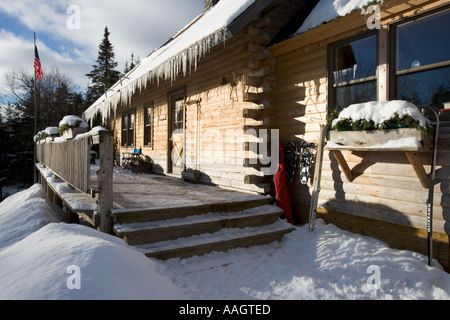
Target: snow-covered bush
(71,122)
(380,115)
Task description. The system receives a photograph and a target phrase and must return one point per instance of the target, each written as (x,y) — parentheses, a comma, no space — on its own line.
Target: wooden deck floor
(141,191)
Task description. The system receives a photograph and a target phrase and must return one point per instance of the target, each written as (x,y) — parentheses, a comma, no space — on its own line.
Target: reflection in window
(423,42)
(178,121)
(148,125)
(354,71)
(128,129)
(427,88)
(422,70)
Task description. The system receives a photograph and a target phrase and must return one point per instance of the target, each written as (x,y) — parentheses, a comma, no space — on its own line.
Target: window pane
(131,121)
(124,122)
(148,116)
(356,93)
(423,42)
(148,125)
(425,88)
(124,130)
(356,60)
(178,123)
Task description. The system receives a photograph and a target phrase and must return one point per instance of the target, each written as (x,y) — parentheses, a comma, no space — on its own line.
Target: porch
(167,217)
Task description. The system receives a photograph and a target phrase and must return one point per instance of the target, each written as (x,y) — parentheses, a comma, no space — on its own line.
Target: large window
(148,114)
(353,71)
(128,129)
(420,55)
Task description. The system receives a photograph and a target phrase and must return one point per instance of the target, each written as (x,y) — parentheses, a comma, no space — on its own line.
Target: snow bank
(380,111)
(22,214)
(38,253)
(42,266)
(328,10)
(328,263)
(45,260)
(179,55)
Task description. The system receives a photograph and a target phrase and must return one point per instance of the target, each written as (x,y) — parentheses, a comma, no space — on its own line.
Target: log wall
(218,113)
(386,198)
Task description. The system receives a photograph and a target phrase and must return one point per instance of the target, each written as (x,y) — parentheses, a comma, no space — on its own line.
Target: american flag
(37,64)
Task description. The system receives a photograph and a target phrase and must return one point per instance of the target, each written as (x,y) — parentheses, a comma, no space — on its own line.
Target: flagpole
(35,117)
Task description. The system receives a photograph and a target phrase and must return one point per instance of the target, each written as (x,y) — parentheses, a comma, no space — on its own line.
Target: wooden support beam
(343,164)
(418,168)
(411,155)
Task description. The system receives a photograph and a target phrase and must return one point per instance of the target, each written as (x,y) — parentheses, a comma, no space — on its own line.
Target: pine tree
(103,74)
(129,67)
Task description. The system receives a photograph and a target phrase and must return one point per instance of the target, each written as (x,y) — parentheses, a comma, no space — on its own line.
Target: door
(176,133)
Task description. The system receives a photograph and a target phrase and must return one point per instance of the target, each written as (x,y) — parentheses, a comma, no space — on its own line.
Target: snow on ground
(41,258)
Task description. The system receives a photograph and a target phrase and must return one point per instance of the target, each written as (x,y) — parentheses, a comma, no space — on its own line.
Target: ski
(305,161)
(431,189)
(316,179)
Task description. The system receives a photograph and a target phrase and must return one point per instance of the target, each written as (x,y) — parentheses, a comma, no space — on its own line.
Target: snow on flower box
(381,126)
(71,126)
(395,125)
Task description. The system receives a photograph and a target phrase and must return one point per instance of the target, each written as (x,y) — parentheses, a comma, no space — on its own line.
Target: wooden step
(154,231)
(155,214)
(222,240)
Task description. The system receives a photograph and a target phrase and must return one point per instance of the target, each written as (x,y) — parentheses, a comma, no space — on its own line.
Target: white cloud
(137,26)
(17,53)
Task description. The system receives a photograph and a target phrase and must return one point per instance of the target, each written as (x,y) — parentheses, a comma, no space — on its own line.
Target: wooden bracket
(411,155)
(418,168)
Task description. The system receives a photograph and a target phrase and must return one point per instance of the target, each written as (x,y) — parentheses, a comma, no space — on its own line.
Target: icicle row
(181,62)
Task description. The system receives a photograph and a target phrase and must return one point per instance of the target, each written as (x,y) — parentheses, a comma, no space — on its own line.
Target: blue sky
(68,32)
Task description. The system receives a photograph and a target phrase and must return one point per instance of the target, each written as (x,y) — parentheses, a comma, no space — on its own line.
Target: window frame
(393,73)
(128,132)
(331,50)
(148,127)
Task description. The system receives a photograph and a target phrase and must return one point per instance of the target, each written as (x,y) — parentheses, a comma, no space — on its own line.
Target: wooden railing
(70,160)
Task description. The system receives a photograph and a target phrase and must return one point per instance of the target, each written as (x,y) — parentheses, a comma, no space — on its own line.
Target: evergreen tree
(129,67)
(103,74)
(56,98)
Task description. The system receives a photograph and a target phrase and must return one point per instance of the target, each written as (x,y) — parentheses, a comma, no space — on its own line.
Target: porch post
(105,181)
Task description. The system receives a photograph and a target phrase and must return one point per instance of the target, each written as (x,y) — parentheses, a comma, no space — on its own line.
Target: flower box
(73,132)
(403,138)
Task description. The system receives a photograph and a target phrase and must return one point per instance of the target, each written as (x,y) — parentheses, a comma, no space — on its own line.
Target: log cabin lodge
(246,73)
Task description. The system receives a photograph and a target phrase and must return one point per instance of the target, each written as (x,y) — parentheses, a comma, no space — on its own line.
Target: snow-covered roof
(179,54)
(328,10)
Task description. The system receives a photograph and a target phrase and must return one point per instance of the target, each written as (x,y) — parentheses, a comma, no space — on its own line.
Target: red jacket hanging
(281,188)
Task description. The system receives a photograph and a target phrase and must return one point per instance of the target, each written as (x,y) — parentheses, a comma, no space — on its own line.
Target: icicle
(181,62)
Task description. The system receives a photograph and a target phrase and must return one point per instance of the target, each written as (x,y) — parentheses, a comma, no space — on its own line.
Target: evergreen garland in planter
(395,122)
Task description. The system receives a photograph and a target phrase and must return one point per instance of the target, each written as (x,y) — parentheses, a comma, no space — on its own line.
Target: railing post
(105,181)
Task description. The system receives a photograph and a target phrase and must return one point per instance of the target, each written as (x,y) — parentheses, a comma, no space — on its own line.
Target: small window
(353,71)
(178,115)
(128,129)
(148,114)
(421,56)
